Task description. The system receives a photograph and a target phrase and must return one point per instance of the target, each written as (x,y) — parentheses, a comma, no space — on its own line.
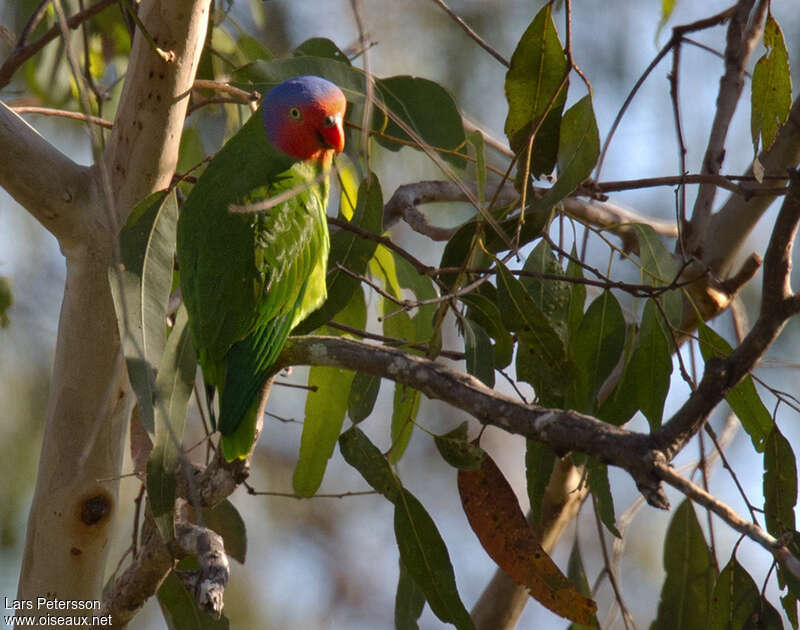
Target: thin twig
(21,54)
(62,113)
(469,31)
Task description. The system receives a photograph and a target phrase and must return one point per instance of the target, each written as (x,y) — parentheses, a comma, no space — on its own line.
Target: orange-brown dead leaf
(497,519)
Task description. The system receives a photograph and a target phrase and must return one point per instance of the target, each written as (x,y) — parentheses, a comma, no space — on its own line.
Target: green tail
(249,365)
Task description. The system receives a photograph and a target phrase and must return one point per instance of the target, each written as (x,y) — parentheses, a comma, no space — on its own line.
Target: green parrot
(248,278)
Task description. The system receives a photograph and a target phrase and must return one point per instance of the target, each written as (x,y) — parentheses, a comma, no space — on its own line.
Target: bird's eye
(329,121)
(295,114)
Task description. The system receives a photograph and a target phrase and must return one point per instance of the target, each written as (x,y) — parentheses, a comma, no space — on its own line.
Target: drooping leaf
(772,87)
(537,69)
(496,518)
(577,575)
(326,405)
(180,609)
(539,460)
(409,601)
(350,251)
(475,138)
(485,312)
(173,387)
(597,477)
(659,268)
(365,457)
(457,450)
(140,289)
(743,399)
(650,367)
(688,586)
(552,296)
(780,484)
(622,402)
(225,519)
(595,349)
(478,349)
(6,300)
(424,553)
(428,110)
(404,413)
(578,150)
(363,394)
(577,295)
(541,357)
(422,550)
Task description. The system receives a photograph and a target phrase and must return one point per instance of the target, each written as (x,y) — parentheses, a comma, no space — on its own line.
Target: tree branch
(53,188)
(740,43)
(89,402)
(777,305)
(734,221)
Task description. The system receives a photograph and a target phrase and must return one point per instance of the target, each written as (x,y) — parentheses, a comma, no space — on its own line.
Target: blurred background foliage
(332,563)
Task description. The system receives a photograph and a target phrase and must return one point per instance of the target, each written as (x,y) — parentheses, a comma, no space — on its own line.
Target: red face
(304,118)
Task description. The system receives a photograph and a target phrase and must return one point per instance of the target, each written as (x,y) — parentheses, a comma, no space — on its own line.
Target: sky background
(330,563)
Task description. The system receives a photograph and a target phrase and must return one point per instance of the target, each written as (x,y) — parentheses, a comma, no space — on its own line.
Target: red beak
(333,135)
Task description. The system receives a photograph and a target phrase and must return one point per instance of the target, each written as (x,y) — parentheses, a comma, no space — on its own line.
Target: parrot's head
(304,118)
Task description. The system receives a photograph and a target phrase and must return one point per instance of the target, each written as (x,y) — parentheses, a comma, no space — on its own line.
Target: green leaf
(425,555)
(577,575)
(659,268)
(476,140)
(422,550)
(428,110)
(688,586)
(456,450)
(173,388)
(350,251)
(408,601)
(140,289)
(404,413)
(354,314)
(577,295)
(365,457)
(485,313)
(597,477)
(537,68)
(578,150)
(541,358)
(780,484)
(6,300)
(772,87)
(736,601)
(552,296)
(325,409)
(539,461)
(321,47)
(595,349)
(180,609)
(363,394)
(650,367)
(620,405)
(743,399)
(478,349)
(225,519)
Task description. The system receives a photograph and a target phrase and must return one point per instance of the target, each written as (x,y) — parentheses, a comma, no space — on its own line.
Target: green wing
(248,279)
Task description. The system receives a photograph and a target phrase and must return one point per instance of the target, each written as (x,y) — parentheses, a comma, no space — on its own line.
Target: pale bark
(89,402)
